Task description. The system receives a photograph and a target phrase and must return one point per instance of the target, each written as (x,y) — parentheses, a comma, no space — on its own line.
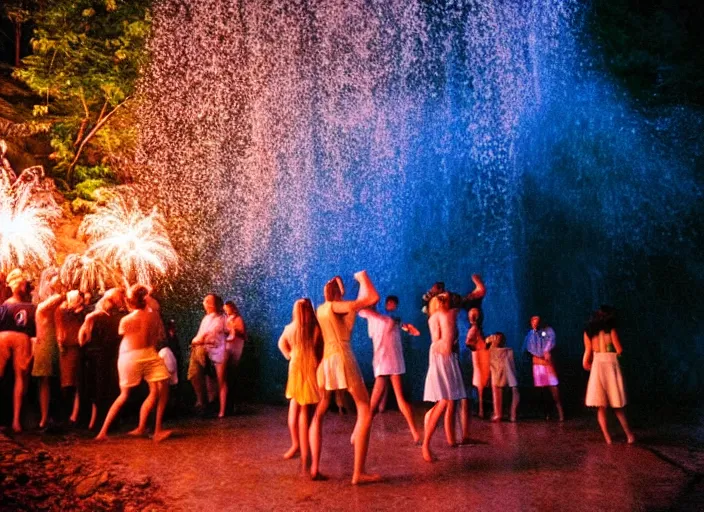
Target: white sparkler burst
(123,237)
(88,273)
(26,236)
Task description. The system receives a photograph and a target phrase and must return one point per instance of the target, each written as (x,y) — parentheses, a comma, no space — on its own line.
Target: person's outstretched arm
(86,330)
(479,289)
(367,296)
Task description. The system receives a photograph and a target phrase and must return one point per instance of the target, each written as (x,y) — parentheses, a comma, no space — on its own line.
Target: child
(539,343)
(503,373)
(301,343)
(480,356)
(388,363)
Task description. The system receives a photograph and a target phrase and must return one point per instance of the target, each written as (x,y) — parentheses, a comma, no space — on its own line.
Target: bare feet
(291,453)
(221,415)
(416,436)
(318,477)
(161,435)
(365,478)
(425,451)
(16,428)
(607,439)
(138,432)
(513,418)
(101,437)
(630,438)
(496,419)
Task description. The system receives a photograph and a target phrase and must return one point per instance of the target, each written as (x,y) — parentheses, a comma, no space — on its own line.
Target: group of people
(103,351)
(98,351)
(321,361)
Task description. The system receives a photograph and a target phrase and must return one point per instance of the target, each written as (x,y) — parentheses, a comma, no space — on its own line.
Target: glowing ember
(124,238)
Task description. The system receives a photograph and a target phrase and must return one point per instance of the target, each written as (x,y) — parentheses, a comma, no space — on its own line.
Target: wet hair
(304,315)
(218,301)
(137,296)
(332,290)
(233,306)
(392,298)
(500,339)
(603,319)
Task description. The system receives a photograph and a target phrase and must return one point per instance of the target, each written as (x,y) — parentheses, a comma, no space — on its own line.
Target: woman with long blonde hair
(301,344)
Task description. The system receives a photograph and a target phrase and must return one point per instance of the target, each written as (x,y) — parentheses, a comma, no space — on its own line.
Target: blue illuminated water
(423,141)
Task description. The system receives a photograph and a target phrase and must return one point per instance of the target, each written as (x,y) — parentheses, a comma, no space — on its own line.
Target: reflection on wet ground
(236,463)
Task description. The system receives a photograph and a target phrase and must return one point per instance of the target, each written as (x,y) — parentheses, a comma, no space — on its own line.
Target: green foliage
(86,189)
(87,57)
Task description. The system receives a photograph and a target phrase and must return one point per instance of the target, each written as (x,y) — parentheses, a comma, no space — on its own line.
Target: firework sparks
(26,236)
(135,244)
(88,273)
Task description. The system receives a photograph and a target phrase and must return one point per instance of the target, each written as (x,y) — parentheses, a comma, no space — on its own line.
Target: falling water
(289,141)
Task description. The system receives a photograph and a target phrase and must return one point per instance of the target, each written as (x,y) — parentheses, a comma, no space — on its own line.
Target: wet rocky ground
(236,464)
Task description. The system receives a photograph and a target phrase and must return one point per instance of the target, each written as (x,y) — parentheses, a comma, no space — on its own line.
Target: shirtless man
(46,349)
(17,328)
(339,370)
(140,331)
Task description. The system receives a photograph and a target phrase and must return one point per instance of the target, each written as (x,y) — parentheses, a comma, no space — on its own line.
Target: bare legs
(145,410)
(432,417)
(316,435)
(21,381)
(450,422)
(360,437)
(303,435)
(76,407)
(158,394)
(112,413)
(556,397)
(221,371)
(465,416)
(515,399)
(480,397)
(44,398)
(293,420)
(379,391)
(198,383)
(621,415)
(498,397)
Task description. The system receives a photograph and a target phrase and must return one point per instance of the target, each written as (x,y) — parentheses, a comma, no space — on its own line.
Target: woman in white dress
(443,383)
(602,347)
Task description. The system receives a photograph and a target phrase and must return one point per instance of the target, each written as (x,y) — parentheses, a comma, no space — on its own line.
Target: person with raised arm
(385,332)
(339,370)
(443,383)
(602,348)
(301,344)
(46,348)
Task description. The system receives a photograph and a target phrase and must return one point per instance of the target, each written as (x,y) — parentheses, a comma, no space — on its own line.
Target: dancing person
(443,383)
(602,348)
(480,356)
(301,344)
(234,346)
(539,343)
(69,317)
(209,345)
(141,330)
(99,335)
(17,328)
(503,374)
(339,370)
(388,363)
(469,301)
(46,348)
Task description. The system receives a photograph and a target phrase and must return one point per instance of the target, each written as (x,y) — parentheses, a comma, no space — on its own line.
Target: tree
(87,57)
(18,12)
